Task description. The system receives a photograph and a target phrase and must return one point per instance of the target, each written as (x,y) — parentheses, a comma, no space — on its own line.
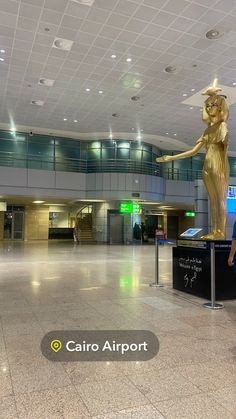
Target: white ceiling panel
(153,33)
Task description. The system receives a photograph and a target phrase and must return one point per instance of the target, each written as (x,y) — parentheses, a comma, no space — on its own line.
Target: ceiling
(154,34)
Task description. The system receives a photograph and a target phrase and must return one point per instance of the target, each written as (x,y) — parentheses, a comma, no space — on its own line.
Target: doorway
(14,223)
(115,228)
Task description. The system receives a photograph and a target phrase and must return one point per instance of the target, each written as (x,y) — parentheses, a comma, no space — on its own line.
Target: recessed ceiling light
(175,134)
(167,133)
(63,44)
(234,83)
(38,202)
(193,90)
(170,69)
(132,129)
(214,34)
(75,120)
(86,2)
(100,92)
(128,60)
(2,59)
(46,82)
(113,56)
(2,51)
(37,102)
(87,90)
(185,94)
(191,107)
(64,119)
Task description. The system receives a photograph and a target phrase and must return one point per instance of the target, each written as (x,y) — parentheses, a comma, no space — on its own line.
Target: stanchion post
(156,283)
(213,305)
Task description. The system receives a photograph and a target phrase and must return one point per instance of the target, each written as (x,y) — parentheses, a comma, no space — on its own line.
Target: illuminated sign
(189,214)
(231,198)
(129,207)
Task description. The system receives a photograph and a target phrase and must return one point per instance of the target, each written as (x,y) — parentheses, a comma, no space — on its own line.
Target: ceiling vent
(115,115)
(37,102)
(46,82)
(85,2)
(63,44)
(135,98)
(214,34)
(170,69)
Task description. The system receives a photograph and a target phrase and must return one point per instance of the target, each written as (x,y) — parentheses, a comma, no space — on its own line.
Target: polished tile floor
(55,286)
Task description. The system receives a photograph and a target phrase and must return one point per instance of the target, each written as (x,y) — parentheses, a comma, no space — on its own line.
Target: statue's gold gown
(216,174)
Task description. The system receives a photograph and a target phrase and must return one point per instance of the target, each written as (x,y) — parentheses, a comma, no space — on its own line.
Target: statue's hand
(163,159)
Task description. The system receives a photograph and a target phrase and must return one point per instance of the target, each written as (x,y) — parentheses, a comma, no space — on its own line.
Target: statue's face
(213,107)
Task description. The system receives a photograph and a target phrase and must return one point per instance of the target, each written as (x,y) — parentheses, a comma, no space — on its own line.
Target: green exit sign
(129,207)
(189,214)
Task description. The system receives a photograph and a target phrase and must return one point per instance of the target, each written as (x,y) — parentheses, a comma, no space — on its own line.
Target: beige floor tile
(111,395)
(195,407)
(67,298)
(7,408)
(63,403)
(226,397)
(163,385)
(5,381)
(142,412)
(85,372)
(210,375)
(35,377)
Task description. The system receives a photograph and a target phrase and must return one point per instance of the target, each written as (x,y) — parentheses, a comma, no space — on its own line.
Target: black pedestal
(192,269)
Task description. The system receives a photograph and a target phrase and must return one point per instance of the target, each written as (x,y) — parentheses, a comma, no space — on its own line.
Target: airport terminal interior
(117,276)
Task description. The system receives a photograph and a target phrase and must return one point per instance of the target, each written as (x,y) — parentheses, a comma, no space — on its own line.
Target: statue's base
(192,269)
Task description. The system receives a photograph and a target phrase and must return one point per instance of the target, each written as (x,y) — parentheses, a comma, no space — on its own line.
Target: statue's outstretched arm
(183,155)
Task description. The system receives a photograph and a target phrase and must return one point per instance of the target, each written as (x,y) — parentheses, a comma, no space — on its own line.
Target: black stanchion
(213,305)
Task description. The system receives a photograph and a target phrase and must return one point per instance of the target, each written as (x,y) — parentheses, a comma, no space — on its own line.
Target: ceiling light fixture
(135,98)
(175,134)
(214,34)
(87,90)
(64,119)
(113,56)
(75,120)
(193,90)
(185,94)
(38,202)
(46,82)
(191,107)
(100,92)
(234,83)
(170,69)
(85,2)
(2,51)
(63,44)
(2,59)
(37,102)
(167,133)
(128,60)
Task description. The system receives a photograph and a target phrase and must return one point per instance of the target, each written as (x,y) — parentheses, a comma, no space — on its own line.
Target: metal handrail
(28,161)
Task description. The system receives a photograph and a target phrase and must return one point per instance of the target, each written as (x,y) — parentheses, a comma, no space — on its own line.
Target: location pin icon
(56,345)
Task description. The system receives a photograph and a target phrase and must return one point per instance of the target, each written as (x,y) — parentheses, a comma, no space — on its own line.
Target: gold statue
(216,166)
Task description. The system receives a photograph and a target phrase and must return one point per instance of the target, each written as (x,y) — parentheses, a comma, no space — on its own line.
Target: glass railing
(95,166)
